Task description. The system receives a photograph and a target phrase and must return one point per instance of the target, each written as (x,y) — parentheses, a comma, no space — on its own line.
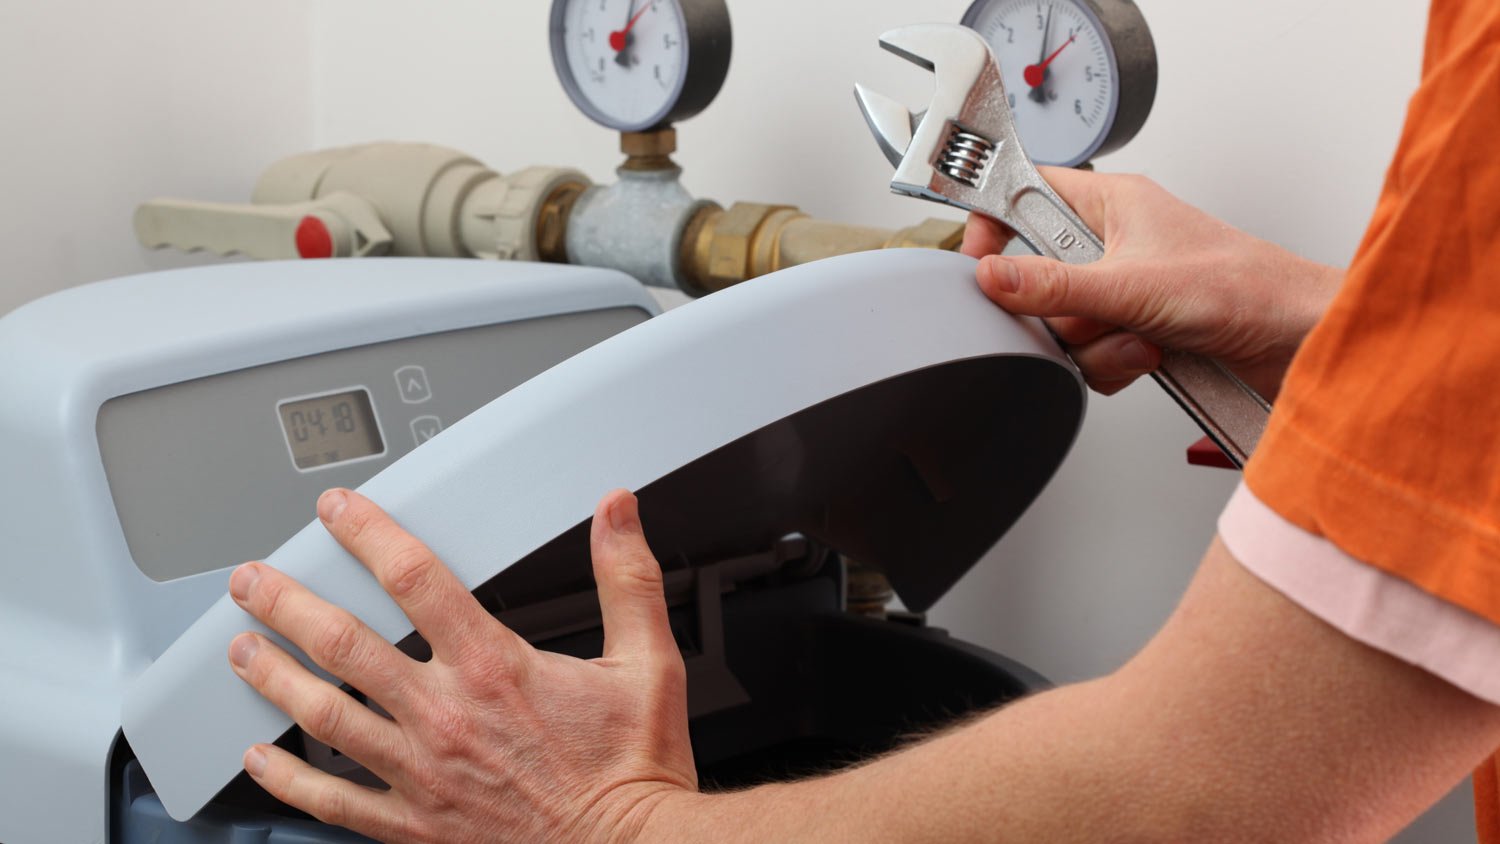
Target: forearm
(1296,302)
(1053,767)
(1026,773)
(1245,720)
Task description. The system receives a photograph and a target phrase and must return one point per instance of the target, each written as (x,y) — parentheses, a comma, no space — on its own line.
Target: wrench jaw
(957,168)
(890,122)
(892,125)
(950,150)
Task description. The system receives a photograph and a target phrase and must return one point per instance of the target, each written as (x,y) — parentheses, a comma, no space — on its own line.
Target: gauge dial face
(1060,74)
(623,62)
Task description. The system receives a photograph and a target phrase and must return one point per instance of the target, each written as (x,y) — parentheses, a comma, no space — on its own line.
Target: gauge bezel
(1132,58)
(706,48)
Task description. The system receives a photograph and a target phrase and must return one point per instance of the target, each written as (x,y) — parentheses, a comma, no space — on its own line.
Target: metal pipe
(419,199)
(723,248)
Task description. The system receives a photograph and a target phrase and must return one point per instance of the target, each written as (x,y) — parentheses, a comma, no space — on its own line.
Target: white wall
(103,105)
(1278,116)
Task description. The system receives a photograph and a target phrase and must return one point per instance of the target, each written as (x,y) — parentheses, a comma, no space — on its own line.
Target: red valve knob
(313,238)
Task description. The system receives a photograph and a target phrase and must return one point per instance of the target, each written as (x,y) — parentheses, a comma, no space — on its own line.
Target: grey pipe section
(634,225)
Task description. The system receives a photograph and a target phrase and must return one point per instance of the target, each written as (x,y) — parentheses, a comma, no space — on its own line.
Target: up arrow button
(412,382)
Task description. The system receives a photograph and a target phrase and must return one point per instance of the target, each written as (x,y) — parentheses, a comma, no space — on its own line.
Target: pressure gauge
(634,65)
(1080,75)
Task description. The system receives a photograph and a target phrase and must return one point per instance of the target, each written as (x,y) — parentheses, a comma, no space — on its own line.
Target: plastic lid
(876,402)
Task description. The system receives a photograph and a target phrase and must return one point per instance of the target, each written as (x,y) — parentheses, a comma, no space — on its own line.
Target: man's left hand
(491,739)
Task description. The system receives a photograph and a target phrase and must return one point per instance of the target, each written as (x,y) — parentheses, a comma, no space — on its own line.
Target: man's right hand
(1171,276)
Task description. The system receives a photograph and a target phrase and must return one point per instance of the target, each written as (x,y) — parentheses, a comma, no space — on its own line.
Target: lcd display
(328,429)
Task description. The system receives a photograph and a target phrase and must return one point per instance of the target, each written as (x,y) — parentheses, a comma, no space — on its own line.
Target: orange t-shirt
(1386,436)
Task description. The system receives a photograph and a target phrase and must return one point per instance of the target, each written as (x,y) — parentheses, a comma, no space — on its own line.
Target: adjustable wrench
(963,151)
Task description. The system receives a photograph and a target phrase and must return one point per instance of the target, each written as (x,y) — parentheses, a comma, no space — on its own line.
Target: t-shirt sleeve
(1386,436)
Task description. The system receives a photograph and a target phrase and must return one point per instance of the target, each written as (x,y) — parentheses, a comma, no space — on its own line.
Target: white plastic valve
(371,199)
(339,225)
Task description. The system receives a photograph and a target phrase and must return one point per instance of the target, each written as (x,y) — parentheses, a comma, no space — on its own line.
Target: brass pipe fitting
(721,248)
(867,592)
(649,150)
(931,233)
(552,222)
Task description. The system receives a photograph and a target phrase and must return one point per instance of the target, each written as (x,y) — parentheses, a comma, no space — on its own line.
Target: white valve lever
(339,225)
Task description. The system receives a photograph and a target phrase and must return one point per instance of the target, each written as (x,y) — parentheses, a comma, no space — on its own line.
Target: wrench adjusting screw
(964,156)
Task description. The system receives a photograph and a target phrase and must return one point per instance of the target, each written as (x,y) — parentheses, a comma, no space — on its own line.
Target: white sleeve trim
(1364,602)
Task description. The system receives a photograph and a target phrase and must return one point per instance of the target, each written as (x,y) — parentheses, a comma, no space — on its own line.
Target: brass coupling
(931,233)
(721,248)
(867,591)
(649,150)
(552,222)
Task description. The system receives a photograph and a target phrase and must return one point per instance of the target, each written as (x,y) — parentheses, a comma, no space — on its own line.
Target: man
(1328,674)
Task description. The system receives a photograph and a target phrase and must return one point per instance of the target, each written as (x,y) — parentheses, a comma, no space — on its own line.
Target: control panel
(214,471)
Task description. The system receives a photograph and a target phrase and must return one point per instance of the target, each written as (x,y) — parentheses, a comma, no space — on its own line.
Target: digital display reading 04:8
(328,429)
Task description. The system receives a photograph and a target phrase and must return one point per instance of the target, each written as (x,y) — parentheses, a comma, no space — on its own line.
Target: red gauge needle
(1035,74)
(617,41)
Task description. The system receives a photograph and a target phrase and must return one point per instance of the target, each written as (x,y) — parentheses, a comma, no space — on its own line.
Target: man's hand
(1171,277)
(491,739)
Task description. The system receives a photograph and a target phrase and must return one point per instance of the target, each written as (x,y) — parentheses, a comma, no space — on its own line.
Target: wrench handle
(1049,226)
(1227,409)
